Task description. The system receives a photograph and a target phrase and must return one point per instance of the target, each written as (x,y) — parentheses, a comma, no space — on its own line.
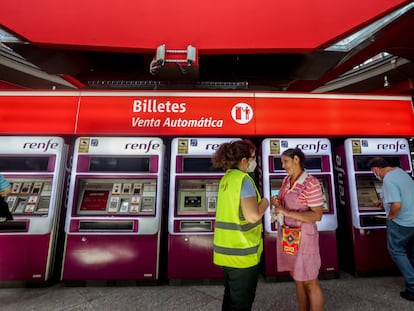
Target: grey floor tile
(346,293)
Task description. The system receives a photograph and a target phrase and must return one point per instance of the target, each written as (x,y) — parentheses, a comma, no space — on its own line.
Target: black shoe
(407,294)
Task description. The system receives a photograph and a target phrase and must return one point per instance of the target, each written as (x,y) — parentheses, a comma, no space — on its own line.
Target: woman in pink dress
(300,201)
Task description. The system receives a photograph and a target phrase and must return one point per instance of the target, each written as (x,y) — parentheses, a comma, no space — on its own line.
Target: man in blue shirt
(398,201)
(4,191)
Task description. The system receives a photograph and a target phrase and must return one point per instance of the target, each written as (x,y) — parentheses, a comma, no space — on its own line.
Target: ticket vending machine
(362,225)
(35,168)
(114,210)
(318,163)
(193,197)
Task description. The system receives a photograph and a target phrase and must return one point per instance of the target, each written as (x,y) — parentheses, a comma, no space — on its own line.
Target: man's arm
(394,210)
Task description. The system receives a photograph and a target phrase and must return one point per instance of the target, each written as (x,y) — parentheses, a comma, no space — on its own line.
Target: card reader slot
(106,225)
(13,226)
(196,226)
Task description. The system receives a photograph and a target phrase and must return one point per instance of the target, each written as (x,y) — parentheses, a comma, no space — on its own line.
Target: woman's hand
(280,210)
(275,201)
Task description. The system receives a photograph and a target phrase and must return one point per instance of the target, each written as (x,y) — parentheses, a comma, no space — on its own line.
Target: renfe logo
(41,146)
(313,147)
(398,145)
(212,147)
(151,145)
(340,177)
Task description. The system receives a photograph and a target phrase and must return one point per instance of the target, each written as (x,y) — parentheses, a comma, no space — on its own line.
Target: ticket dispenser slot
(106,225)
(196,226)
(14,226)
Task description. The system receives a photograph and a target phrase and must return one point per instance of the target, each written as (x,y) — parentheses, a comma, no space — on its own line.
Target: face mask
(379,178)
(252,166)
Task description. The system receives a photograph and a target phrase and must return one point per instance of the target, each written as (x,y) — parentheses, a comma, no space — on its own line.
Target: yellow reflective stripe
(236,251)
(236,227)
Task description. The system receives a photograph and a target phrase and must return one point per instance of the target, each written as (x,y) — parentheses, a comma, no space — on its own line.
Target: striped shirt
(308,187)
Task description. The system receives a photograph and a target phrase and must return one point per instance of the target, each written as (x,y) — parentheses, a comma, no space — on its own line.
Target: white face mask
(252,166)
(379,178)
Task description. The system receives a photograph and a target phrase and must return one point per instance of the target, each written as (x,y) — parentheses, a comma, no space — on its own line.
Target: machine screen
(197,196)
(313,163)
(368,193)
(94,200)
(199,165)
(275,185)
(119,164)
(24,164)
(325,190)
(361,162)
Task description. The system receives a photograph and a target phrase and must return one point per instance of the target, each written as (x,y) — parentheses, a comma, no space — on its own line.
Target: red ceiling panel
(213,26)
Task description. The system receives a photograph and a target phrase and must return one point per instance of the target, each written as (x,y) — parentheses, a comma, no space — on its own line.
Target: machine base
(111,257)
(24,258)
(190,257)
(370,253)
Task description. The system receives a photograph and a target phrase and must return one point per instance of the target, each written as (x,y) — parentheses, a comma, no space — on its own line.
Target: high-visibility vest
(237,243)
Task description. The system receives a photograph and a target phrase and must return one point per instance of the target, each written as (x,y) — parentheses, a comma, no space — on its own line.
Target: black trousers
(4,209)
(239,288)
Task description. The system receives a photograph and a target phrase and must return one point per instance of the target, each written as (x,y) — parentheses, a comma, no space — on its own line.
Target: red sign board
(175,113)
(333,115)
(38,113)
(204,114)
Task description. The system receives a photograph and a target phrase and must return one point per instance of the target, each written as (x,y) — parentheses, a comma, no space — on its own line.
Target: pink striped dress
(305,193)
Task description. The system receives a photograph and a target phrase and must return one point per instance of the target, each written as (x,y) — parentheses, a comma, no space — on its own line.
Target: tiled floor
(346,293)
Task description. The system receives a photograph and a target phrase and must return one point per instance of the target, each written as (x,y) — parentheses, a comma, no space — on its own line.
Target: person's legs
(410,250)
(240,288)
(226,305)
(398,238)
(315,295)
(301,296)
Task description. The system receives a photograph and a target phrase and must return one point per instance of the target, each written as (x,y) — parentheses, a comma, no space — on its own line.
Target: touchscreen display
(368,193)
(94,200)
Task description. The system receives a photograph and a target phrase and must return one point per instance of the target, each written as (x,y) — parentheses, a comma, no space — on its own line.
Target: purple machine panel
(319,164)
(34,166)
(362,225)
(114,210)
(193,197)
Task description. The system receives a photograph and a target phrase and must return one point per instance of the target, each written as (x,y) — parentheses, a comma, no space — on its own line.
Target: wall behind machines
(203,114)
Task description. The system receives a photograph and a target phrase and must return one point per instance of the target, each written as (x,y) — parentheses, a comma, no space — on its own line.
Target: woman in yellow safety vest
(238,242)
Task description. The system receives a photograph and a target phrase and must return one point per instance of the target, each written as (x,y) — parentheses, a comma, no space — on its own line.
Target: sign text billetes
(161,115)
